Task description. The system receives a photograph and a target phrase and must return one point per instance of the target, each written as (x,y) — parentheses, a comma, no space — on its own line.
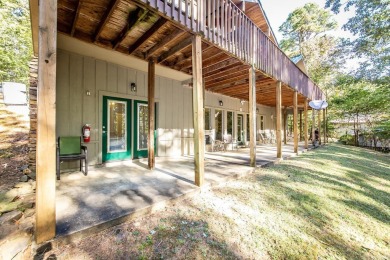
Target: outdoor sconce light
(257,110)
(88,93)
(221,103)
(242,102)
(133,87)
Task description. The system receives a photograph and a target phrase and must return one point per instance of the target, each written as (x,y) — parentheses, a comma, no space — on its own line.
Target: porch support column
(300,126)
(324,115)
(252,116)
(306,125)
(46,128)
(313,126)
(285,125)
(319,127)
(295,105)
(279,120)
(197,100)
(151,114)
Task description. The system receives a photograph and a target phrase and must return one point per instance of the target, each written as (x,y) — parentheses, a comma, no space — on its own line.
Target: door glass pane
(218,124)
(143,127)
(240,128)
(117,126)
(207,119)
(259,126)
(230,123)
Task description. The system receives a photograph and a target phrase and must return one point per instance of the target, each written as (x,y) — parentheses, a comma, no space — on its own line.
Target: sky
(277,12)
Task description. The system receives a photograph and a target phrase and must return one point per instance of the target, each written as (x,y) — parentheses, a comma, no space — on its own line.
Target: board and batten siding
(77,74)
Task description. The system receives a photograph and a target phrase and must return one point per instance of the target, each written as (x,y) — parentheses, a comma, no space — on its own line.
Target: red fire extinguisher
(86,133)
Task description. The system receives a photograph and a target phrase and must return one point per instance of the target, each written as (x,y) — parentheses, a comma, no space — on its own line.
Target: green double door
(125,129)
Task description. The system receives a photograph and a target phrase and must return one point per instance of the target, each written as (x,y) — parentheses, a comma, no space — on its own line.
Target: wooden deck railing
(226,25)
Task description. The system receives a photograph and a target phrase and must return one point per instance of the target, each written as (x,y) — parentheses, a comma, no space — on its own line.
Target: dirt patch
(13,148)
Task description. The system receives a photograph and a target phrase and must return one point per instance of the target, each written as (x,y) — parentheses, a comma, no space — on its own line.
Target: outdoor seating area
(267,136)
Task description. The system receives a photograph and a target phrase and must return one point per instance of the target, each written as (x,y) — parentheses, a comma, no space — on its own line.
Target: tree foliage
(15,40)
(355,99)
(371,26)
(305,34)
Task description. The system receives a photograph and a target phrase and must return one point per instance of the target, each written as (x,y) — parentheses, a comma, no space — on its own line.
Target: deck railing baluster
(186,14)
(179,4)
(192,14)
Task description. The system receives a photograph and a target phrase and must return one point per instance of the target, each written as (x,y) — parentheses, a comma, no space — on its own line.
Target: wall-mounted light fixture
(133,87)
(257,110)
(221,103)
(242,102)
(88,93)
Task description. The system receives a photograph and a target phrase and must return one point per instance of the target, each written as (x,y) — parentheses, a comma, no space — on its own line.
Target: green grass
(331,203)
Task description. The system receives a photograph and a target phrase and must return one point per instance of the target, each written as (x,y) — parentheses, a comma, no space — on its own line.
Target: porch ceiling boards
(131,28)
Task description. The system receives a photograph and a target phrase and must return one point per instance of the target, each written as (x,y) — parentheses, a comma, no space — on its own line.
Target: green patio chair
(69,148)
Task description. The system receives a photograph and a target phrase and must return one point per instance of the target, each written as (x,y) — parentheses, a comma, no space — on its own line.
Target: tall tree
(15,40)
(371,26)
(305,34)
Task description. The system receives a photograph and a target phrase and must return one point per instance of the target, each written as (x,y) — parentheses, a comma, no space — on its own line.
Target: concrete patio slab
(119,189)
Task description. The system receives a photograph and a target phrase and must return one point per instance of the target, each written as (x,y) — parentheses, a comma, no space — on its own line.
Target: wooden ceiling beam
(175,49)
(165,41)
(237,87)
(76,18)
(106,17)
(219,57)
(207,56)
(221,65)
(183,63)
(234,73)
(222,69)
(133,20)
(223,83)
(149,33)
(225,73)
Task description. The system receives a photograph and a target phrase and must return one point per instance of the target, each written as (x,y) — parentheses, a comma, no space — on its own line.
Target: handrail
(224,24)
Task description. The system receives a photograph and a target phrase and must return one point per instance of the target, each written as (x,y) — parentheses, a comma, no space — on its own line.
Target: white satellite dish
(318,104)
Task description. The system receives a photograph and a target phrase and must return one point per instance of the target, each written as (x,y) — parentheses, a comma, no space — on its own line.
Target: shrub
(347,139)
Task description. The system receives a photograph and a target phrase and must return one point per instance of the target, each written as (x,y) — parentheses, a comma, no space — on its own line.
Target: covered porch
(118,191)
(139,52)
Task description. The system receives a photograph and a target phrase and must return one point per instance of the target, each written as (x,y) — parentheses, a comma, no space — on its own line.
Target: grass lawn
(331,203)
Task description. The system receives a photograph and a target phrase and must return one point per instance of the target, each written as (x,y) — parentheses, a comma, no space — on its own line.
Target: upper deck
(162,29)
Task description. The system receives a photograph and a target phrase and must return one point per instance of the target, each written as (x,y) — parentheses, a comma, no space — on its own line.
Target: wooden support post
(279,119)
(319,126)
(46,128)
(306,125)
(151,115)
(324,115)
(252,116)
(300,126)
(197,100)
(313,126)
(285,125)
(295,119)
